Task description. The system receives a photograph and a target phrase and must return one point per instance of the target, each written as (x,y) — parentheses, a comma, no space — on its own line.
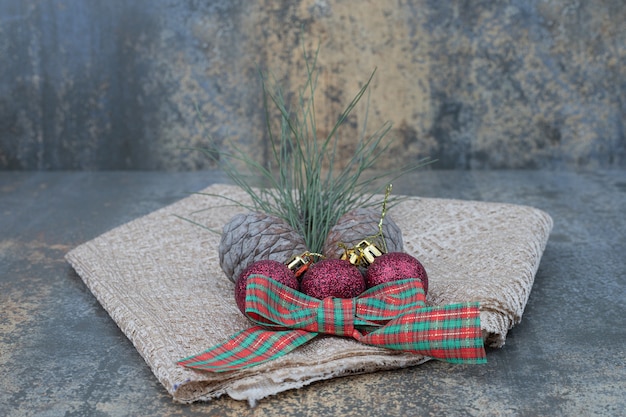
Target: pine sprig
(304,184)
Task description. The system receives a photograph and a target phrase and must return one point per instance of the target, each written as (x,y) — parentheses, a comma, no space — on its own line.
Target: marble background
(474,84)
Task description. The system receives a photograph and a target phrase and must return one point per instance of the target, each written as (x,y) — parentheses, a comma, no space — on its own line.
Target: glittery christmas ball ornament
(332,278)
(394,266)
(269,268)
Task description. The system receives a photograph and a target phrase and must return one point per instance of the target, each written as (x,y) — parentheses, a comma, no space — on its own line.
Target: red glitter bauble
(271,269)
(395,266)
(332,278)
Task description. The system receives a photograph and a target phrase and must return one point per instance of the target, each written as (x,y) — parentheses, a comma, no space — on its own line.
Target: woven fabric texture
(159,279)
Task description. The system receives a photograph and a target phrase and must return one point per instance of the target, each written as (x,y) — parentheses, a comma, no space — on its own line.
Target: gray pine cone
(359,224)
(256,236)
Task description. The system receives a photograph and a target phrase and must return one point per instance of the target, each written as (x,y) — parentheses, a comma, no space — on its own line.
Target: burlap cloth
(159,278)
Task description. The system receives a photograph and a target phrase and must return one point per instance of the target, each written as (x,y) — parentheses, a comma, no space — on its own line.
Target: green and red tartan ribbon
(392,315)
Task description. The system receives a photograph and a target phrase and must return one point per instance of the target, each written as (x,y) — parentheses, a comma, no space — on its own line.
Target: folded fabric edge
(495,326)
(255,388)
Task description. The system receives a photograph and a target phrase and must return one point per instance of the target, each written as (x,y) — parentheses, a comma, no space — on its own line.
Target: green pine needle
(303,183)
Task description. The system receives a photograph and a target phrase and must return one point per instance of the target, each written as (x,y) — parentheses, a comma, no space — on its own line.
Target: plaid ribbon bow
(392,315)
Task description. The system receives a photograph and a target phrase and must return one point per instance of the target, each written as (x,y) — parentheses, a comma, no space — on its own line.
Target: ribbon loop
(386,301)
(451,333)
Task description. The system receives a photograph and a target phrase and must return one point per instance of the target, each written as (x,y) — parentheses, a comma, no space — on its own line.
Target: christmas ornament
(311,204)
(256,236)
(332,278)
(269,268)
(395,266)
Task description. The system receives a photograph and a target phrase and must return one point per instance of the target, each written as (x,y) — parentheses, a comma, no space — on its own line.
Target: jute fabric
(159,279)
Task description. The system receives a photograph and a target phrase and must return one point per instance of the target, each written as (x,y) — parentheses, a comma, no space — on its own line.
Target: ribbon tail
(247,348)
(450,333)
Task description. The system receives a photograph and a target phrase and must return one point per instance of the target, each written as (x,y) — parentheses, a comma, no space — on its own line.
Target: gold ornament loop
(362,254)
(369,251)
(299,264)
